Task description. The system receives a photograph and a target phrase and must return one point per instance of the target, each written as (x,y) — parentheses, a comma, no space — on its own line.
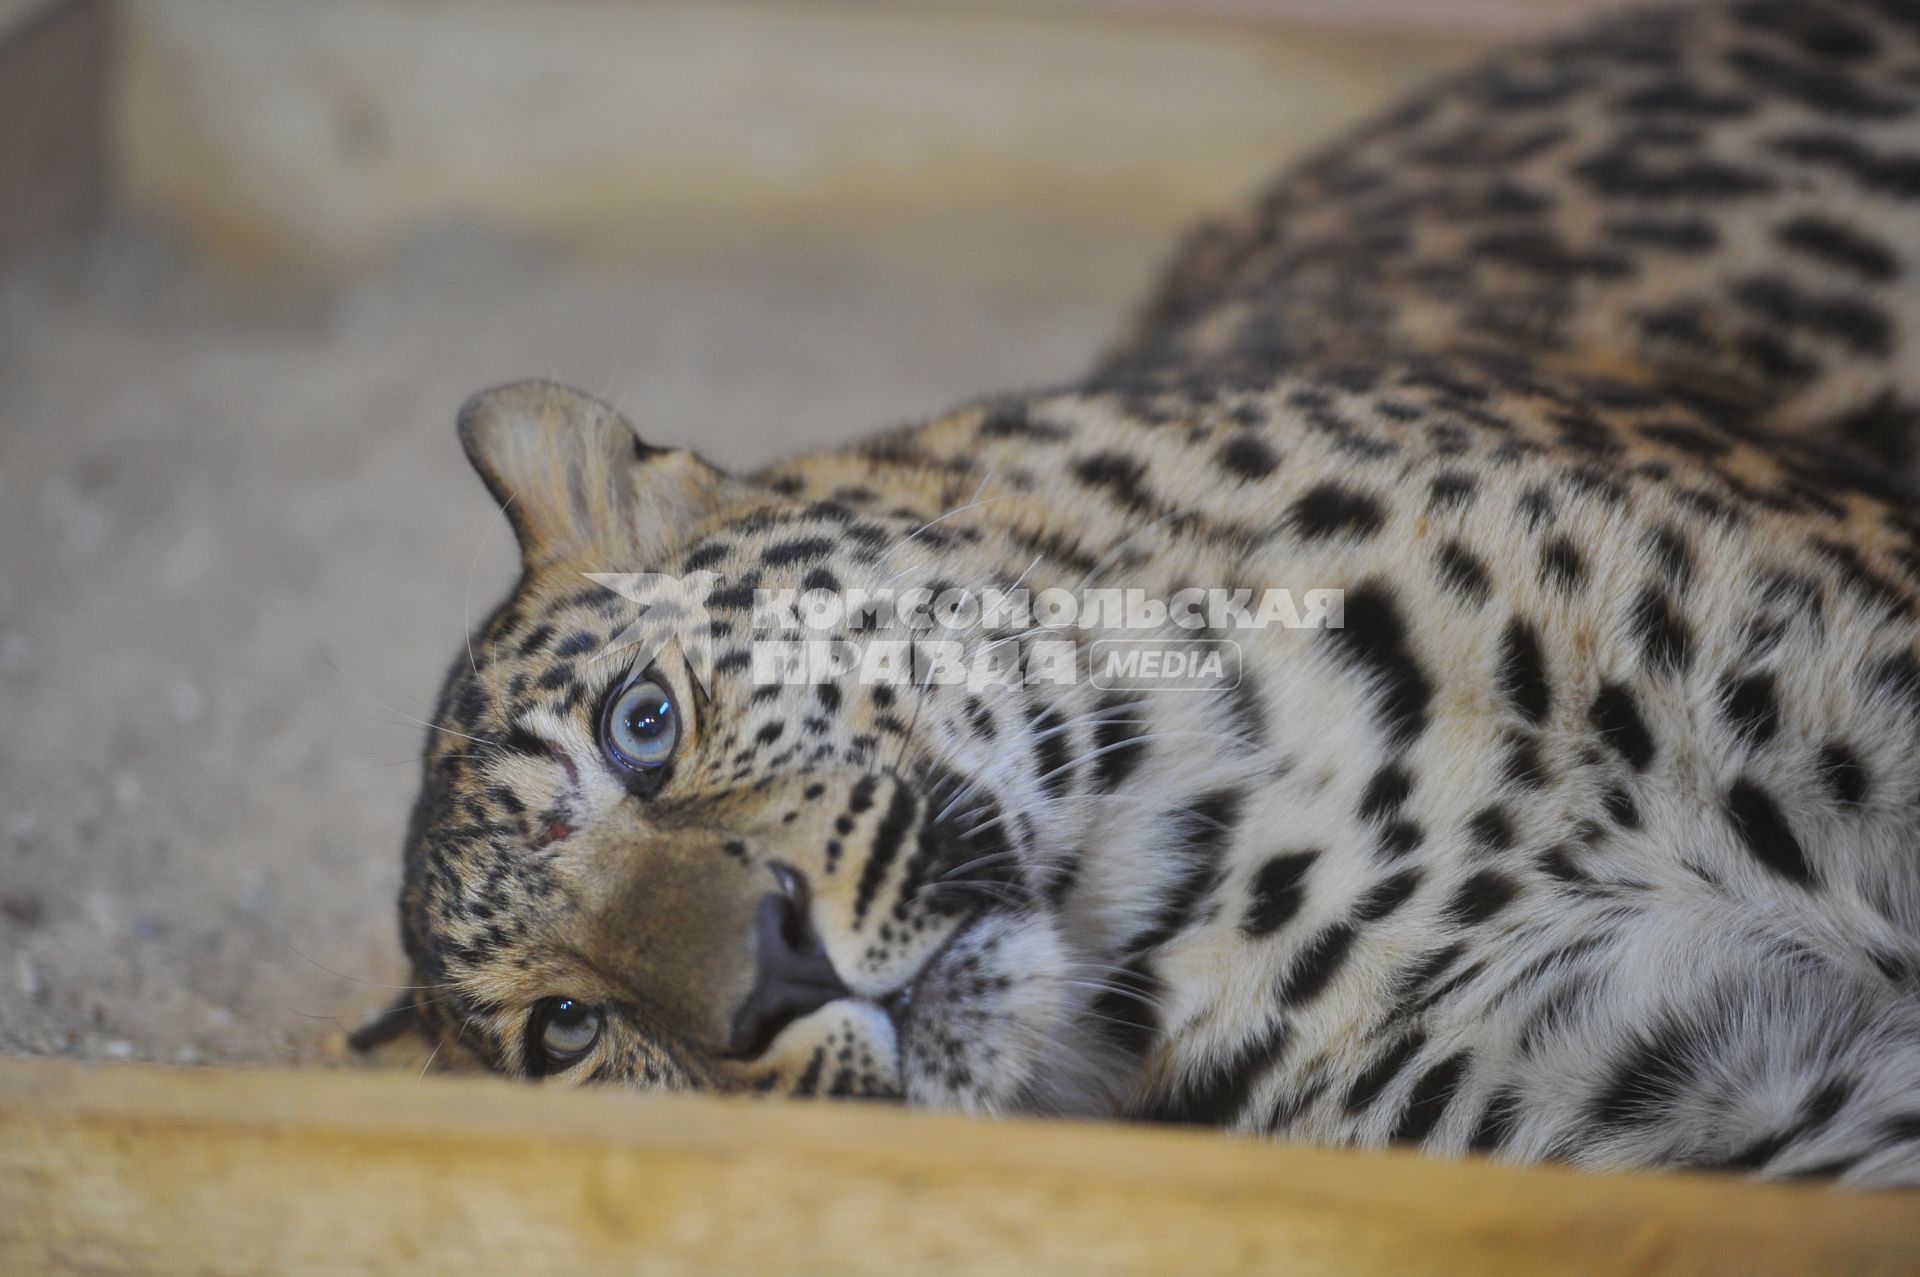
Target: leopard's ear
(576,481)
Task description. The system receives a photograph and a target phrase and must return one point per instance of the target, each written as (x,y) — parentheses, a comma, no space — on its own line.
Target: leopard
(1575,818)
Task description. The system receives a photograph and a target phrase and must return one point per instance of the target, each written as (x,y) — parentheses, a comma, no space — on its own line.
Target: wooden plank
(1385,17)
(1052,152)
(53,101)
(134,1168)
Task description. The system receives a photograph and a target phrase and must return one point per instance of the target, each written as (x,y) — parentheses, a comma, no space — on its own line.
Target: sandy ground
(238,545)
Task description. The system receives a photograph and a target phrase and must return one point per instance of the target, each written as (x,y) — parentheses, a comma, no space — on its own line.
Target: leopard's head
(637,859)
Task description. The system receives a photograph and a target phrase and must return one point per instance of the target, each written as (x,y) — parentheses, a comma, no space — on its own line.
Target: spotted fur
(1594,835)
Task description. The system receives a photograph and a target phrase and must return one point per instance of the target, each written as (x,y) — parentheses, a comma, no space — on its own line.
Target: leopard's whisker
(372,984)
(1121,544)
(995,857)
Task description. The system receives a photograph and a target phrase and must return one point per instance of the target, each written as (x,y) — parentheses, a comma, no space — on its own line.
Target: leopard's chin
(995,1025)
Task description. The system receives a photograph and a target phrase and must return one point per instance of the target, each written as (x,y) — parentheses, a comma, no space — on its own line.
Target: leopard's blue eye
(561,1032)
(640,727)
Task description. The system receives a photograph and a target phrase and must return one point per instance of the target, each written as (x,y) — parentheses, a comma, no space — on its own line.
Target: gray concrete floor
(238,545)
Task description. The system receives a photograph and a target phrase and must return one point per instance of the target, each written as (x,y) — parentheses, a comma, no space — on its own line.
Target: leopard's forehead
(565,633)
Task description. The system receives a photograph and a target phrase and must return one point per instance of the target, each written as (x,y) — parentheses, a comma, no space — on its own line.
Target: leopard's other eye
(640,727)
(562,1031)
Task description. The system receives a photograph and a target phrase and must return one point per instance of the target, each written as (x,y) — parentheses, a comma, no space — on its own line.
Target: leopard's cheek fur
(996,1025)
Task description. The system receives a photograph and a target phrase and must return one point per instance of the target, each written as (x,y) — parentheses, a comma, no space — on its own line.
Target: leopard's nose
(792,973)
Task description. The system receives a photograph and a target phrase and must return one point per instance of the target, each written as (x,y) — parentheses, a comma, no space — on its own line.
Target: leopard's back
(1720,202)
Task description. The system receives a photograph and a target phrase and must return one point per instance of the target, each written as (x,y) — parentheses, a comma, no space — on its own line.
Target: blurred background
(253,254)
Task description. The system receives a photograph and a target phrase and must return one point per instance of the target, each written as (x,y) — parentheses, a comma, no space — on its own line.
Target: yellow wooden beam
(1034,152)
(133,1168)
(1489,17)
